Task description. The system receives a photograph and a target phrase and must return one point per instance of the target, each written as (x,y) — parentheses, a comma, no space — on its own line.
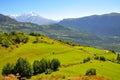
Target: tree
(36,66)
(118,58)
(23,67)
(8,69)
(43,65)
(90,72)
(55,63)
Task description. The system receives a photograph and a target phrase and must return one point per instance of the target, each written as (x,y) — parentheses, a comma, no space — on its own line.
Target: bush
(7,69)
(118,58)
(36,66)
(35,34)
(23,67)
(102,58)
(12,38)
(86,60)
(43,65)
(96,57)
(55,63)
(46,66)
(90,72)
(48,71)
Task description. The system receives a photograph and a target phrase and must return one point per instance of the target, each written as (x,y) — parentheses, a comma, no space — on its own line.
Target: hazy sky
(59,9)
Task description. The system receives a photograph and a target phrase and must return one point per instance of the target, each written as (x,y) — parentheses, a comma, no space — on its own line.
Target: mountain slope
(6,20)
(71,57)
(33,18)
(105,25)
(55,31)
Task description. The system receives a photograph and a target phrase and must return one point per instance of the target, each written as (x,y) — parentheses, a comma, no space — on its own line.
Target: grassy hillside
(71,57)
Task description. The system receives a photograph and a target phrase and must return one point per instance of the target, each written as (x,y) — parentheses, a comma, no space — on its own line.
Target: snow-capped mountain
(33,18)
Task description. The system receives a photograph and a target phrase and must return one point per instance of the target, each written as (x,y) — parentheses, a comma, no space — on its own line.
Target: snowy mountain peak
(33,14)
(32,17)
(30,14)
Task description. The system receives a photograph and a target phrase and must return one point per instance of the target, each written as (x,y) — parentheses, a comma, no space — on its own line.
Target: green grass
(107,69)
(69,56)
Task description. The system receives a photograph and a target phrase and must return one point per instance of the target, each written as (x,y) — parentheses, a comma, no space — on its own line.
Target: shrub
(86,60)
(96,57)
(48,71)
(23,67)
(7,69)
(55,63)
(43,65)
(102,58)
(36,66)
(90,72)
(35,34)
(118,57)
(12,38)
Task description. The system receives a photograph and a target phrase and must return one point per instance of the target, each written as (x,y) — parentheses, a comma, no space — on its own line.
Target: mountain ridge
(106,24)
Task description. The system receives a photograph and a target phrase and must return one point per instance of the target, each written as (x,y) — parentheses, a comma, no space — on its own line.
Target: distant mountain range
(106,24)
(96,30)
(32,18)
(55,31)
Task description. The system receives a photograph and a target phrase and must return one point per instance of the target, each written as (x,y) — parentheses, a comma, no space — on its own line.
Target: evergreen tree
(36,66)
(23,67)
(55,63)
(118,58)
(7,69)
(43,65)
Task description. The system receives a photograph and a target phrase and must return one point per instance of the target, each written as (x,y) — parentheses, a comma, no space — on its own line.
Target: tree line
(25,69)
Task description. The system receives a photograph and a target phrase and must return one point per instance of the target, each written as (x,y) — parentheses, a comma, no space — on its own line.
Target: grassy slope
(70,57)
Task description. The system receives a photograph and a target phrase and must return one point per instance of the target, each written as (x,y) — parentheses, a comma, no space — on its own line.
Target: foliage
(90,72)
(35,34)
(102,58)
(48,71)
(43,65)
(12,38)
(23,67)
(36,66)
(68,42)
(55,63)
(118,58)
(46,66)
(7,69)
(86,60)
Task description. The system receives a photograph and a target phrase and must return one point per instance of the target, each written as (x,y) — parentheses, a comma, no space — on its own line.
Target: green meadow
(71,57)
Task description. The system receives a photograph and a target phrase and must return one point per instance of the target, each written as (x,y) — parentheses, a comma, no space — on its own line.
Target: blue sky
(59,9)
